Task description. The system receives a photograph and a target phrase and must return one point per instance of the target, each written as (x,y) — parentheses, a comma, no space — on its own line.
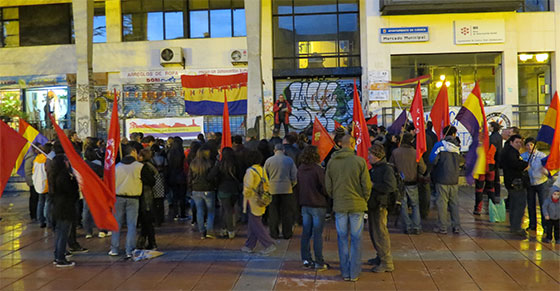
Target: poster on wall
(185,127)
(328,99)
(378,85)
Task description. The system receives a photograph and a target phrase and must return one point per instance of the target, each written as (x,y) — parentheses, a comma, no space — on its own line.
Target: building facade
(312,51)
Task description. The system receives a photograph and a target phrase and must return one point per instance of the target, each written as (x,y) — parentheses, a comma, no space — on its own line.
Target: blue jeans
(87,219)
(42,208)
(532,193)
(350,258)
(313,221)
(411,199)
(126,210)
(62,230)
(205,208)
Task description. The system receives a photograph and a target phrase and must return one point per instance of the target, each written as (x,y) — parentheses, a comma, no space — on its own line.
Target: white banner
(171,76)
(184,127)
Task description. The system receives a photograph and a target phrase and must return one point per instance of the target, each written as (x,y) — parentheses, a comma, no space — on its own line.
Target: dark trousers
(147,232)
(33,201)
(532,193)
(179,200)
(424,194)
(159,211)
(72,237)
(517,203)
(286,126)
(553,225)
(62,230)
(281,208)
(227,211)
(256,231)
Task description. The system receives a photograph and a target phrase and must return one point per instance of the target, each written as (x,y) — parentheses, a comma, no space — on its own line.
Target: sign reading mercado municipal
(404,34)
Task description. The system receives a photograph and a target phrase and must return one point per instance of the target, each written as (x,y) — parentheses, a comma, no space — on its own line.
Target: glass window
(99,23)
(9,25)
(239,25)
(458,72)
(174,25)
(316,33)
(534,79)
(535,5)
(220,23)
(167,19)
(199,24)
(45,24)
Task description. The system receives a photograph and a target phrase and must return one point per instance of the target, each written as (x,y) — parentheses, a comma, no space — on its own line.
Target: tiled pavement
(483,256)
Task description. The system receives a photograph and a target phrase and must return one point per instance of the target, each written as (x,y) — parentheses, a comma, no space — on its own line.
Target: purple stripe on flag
(546,134)
(396,127)
(39,139)
(467,118)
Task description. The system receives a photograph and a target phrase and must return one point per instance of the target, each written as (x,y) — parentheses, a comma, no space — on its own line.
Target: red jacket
(277,109)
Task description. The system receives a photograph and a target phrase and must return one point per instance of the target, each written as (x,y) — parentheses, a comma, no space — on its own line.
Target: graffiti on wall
(328,99)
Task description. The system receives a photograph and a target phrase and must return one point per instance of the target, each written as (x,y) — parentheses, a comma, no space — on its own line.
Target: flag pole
(37,148)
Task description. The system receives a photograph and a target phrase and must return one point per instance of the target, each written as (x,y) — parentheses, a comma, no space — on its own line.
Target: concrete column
(510,76)
(113,20)
(254,82)
(267,60)
(83,27)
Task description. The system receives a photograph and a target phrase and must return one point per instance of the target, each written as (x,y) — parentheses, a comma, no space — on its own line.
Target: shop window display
(535,93)
(41,101)
(458,72)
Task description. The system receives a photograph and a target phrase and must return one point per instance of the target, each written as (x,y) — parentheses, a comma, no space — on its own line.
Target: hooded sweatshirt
(446,159)
(347,181)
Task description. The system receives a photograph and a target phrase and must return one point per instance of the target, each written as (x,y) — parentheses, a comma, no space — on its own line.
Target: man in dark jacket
(425,189)
(384,183)
(498,142)
(515,181)
(446,159)
(404,158)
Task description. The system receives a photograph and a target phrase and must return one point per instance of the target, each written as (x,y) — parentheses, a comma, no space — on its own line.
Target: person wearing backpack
(40,182)
(255,193)
(384,183)
(446,159)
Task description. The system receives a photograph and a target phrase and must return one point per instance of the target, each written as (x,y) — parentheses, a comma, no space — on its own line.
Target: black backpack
(396,197)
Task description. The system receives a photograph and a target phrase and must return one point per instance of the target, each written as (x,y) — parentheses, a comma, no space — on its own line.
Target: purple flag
(396,127)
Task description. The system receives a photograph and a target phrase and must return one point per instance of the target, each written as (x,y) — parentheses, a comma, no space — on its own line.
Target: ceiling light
(442,77)
(438,84)
(447,83)
(525,57)
(542,57)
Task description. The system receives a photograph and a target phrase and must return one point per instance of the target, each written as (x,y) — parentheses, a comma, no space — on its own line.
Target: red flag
(360,131)
(553,161)
(440,112)
(337,125)
(321,139)
(226,132)
(113,141)
(11,144)
(417,112)
(372,121)
(96,193)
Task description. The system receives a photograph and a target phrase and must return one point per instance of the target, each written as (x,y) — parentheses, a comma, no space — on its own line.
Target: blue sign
(404,34)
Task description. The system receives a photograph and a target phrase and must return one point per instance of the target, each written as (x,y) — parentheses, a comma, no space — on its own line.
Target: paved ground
(483,256)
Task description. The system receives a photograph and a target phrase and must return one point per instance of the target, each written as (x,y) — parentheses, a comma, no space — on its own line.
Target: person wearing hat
(384,183)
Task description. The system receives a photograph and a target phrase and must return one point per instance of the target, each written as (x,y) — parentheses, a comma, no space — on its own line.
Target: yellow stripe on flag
(30,134)
(215,95)
(473,105)
(480,166)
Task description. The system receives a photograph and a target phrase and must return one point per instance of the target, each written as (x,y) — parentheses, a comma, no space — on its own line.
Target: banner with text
(185,127)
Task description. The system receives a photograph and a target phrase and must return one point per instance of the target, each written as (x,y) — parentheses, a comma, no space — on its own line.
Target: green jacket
(347,181)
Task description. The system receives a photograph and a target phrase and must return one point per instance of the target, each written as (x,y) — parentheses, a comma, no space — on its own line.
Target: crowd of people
(271,185)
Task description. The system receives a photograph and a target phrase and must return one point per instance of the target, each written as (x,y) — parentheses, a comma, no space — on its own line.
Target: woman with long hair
(176,178)
(226,175)
(146,217)
(65,189)
(203,187)
(313,201)
(256,231)
(265,149)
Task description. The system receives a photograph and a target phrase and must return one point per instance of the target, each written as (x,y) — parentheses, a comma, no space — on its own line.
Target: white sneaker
(88,236)
(109,233)
(268,250)
(246,249)
(100,235)
(113,254)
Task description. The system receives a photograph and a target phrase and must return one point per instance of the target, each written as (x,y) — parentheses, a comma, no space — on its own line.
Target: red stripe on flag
(213,81)
(417,112)
(226,132)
